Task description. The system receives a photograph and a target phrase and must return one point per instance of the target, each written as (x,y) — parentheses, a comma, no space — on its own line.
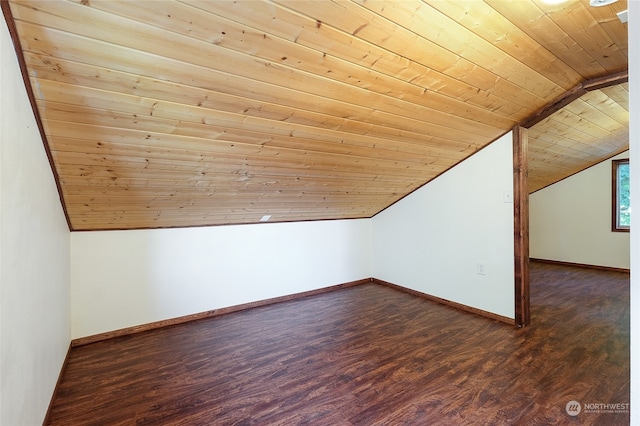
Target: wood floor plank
(367,355)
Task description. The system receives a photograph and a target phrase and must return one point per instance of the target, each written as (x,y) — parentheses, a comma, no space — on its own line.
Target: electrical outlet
(481,268)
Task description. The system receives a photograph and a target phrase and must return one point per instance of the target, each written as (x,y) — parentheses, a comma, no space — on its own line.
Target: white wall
(126,278)
(34,258)
(432,240)
(634,162)
(570,221)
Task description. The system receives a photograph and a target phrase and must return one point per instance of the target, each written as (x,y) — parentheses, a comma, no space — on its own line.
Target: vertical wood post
(521,225)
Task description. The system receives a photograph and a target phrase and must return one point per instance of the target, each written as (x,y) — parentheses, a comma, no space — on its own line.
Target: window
(621,212)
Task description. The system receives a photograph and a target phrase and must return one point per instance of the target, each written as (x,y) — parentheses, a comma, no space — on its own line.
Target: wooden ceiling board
(180,48)
(398,37)
(408,124)
(591,129)
(467,31)
(619,94)
(571,30)
(314,35)
(498,31)
(193,113)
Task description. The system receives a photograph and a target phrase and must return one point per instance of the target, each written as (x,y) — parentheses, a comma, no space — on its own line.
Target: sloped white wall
(34,258)
(570,221)
(432,240)
(126,278)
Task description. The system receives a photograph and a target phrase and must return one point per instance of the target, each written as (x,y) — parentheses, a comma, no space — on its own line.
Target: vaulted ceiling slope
(187,113)
(583,133)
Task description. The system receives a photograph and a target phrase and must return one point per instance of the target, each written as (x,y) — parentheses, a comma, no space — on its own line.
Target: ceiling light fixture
(599,3)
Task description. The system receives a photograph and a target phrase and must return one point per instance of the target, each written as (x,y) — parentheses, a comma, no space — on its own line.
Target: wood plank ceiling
(187,113)
(583,133)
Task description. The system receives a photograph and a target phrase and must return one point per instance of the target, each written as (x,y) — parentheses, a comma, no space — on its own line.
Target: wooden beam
(521,226)
(575,93)
(606,81)
(555,106)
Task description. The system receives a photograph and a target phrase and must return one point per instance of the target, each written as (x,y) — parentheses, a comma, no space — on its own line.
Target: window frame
(615,211)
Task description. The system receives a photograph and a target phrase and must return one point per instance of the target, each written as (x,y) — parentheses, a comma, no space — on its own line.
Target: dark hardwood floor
(368,355)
